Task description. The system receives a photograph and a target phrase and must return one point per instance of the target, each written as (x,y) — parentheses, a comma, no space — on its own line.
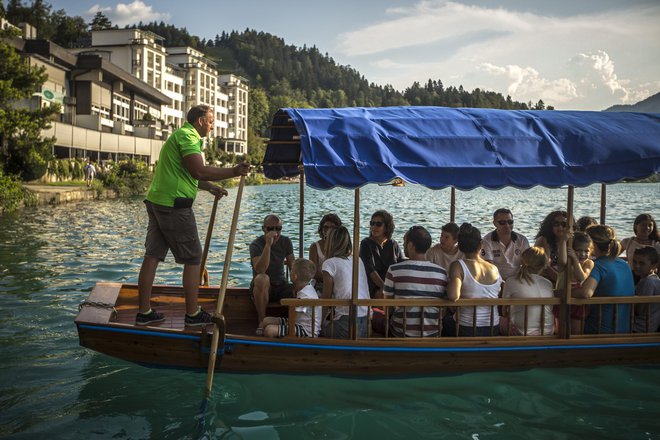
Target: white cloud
(595,72)
(129,13)
(525,83)
(563,60)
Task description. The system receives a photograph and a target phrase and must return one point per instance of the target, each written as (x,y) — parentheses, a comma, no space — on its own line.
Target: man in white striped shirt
(415,278)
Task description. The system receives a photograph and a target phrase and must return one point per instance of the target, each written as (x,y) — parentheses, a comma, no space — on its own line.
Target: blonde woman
(528,283)
(610,276)
(338,283)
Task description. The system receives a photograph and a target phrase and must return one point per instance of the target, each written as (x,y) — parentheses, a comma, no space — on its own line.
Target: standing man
(503,247)
(180,172)
(268,254)
(415,278)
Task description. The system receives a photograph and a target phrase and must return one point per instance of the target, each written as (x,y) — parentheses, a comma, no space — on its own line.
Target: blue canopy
(462,147)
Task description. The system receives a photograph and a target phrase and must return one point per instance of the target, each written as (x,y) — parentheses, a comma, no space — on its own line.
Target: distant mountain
(649,105)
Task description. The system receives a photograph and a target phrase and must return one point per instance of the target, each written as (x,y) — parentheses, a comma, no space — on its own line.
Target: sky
(572,54)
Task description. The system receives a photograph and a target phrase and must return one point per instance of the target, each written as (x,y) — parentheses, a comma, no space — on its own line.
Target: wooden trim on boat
(168,345)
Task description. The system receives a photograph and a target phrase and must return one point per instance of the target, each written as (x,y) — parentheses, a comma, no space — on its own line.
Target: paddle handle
(223,286)
(207,244)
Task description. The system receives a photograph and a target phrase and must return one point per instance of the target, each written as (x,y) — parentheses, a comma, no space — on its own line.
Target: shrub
(11,192)
(127,178)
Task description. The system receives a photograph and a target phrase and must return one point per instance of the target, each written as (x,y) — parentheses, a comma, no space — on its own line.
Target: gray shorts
(175,230)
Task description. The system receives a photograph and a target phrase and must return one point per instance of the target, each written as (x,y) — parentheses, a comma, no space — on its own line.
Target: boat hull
(171,346)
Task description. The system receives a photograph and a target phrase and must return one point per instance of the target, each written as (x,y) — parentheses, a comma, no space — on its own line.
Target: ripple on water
(50,387)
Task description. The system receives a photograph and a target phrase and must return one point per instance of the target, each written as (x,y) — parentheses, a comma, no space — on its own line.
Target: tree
(24,152)
(100,22)
(258,111)
(69,31)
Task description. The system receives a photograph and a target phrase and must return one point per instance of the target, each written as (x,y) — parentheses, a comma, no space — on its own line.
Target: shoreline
(60,194)
(56,195)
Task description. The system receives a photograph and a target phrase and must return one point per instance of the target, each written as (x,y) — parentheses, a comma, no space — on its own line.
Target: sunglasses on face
(274,228)
(557,224)
(376,223)
(504,222)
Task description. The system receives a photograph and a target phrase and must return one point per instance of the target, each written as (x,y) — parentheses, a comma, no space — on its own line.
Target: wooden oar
(204,274)
(223,288)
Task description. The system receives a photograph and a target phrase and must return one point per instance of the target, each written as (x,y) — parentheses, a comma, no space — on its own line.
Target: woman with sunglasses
(379,251)
(646,234)
(553,230)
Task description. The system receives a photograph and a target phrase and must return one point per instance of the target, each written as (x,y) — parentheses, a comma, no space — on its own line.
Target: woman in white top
(529,284)
(473,277)
(316,254)
(646,234)
(338,283)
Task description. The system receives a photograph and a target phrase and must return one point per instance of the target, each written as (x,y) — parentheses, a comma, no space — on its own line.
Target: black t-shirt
(379,259)
(278,253)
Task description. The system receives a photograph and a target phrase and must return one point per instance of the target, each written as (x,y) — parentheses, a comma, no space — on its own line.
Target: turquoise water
(50,387)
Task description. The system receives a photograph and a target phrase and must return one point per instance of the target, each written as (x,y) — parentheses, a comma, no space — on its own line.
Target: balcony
(93,140)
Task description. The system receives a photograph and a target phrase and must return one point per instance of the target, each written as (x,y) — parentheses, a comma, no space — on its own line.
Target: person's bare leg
(191,286)
(260,292)
(146,282)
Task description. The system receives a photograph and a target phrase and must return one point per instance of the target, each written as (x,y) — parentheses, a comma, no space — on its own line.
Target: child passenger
(646,234)
(645,265)
(302,273)
(581,265)
(529,284)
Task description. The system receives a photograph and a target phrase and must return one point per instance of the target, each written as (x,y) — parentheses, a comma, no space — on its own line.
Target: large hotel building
(124,94)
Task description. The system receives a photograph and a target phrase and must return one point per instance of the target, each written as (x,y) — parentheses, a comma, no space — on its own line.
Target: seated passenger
(554,228)
(503,247)
(338,283)
(268,254)
(472,277)
(645,265)
(646,234)
(581,265)
(379,250)
(529,284)
(584,222)
(307,326)
(445,252)
(610,276)
(415,278)
(316,255)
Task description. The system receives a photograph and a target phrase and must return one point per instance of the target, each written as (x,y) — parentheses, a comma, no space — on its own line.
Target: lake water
(50,387)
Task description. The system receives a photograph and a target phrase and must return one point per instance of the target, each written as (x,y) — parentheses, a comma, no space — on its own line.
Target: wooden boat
(516,148)
(395,182)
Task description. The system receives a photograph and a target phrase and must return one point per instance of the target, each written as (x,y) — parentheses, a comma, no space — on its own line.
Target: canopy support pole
(356,266)
(301,216)
(603,201)
(565,310)
(452,206)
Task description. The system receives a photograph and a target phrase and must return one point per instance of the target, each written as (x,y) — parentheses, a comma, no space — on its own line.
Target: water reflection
(51,257)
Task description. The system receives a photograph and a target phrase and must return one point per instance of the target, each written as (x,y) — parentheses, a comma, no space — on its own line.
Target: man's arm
(195,166)
(455,281)
(260,263)
(216,190)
